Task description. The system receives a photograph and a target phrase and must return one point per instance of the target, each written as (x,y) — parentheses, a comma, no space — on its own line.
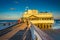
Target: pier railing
(37,34)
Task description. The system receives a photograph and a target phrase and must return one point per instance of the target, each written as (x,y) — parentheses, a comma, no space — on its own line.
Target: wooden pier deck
(13,32)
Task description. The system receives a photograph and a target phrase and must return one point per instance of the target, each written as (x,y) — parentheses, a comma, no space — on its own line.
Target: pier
(25,32)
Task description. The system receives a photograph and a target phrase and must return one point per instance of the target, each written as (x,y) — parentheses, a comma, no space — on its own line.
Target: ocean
(56,24)
(6,23)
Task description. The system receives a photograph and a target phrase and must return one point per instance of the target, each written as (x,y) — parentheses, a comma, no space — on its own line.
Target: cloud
(11,16)
(56,17)
(12,8)
(14,17)
(16,2)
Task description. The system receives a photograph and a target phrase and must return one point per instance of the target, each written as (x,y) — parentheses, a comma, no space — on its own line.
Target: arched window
(50,26)
(38,25)
(47,26)
(44,26)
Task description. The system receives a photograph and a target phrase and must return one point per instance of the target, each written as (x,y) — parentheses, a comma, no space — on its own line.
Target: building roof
(37,14)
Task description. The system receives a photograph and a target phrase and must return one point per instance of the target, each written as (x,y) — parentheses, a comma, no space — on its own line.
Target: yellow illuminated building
(43,20)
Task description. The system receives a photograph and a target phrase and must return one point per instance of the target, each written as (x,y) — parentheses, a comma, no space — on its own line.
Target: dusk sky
(13,9)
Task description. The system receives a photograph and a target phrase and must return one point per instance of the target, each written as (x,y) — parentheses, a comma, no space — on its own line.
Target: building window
(50,26)
(41,26)
(47,26)
(38,25)
(44,26)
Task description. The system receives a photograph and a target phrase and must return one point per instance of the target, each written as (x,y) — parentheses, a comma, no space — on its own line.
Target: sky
(13,9)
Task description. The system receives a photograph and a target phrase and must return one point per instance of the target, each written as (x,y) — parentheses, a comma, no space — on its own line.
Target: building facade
(43,20)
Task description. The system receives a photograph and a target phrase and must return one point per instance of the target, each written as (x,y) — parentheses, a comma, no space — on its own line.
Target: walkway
(13,32)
